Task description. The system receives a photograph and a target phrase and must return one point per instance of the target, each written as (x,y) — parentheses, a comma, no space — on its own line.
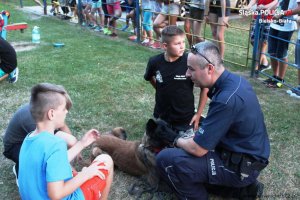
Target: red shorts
(111,8)
(93,187)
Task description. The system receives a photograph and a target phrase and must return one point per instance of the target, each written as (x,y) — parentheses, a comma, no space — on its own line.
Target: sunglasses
(195,51)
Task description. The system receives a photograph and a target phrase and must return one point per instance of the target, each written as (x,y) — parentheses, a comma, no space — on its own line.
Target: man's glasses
(195,51)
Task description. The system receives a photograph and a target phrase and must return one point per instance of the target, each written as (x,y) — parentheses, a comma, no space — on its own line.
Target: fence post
(137,20)
(255,55)
(21,3)
(79,12)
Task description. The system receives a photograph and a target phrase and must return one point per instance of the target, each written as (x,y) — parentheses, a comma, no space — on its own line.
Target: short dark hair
(170,31)
(45,96)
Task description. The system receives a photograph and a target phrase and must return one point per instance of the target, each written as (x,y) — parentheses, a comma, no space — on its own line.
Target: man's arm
(190,146)
(202,102)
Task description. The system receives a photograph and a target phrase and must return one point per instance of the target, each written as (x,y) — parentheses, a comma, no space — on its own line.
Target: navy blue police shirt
(235,121)
(174,98)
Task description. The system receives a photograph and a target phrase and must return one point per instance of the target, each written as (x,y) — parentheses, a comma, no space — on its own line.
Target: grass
(105,80)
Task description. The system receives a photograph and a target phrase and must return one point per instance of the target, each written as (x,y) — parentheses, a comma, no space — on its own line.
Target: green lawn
(105,80)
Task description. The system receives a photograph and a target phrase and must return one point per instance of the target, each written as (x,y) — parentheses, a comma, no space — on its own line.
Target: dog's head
(119,132)
(155,128)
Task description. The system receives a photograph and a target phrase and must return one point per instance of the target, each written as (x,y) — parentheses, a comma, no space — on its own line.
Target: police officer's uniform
(234,132)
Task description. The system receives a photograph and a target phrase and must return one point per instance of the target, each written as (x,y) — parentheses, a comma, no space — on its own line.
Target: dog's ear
(150,126)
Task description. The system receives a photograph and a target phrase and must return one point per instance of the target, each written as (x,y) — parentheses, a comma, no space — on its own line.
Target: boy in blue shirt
(45,171)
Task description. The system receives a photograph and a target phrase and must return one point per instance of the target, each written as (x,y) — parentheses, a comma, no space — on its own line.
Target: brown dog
(124,153)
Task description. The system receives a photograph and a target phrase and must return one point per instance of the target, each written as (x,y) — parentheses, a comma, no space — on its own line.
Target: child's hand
(94,170)
(89,137)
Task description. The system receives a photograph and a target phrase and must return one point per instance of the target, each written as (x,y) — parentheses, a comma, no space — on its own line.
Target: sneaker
(93,27)
(106,31)
(145,41)
(263,67)
(269,80)
(98,29)
(74,20)
(125,27)
(275,84)
(113,35)
(294,92)
(132,37)
(83,24)
(13,76)
(156,45)
(15,173)
(252,191)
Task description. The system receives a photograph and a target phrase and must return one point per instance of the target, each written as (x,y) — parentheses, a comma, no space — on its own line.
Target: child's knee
(105,158)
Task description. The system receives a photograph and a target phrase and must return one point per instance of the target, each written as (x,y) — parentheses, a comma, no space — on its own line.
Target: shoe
(94,26)
(113,35)
(269,80)
(125,27)
(74,20)
(83,24)
(263,67)
(91,25)
(13,76)
(98,29)
(132,38)
(294,92)
(106,31)
(156,45)
(145,41)
(252,191)
(275,84)
(15,173)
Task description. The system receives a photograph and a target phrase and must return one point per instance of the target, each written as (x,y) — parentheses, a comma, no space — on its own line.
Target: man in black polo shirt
(230,148)
(174,98)
(8,62)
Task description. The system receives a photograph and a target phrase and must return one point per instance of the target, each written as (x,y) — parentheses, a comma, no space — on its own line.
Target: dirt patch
(23,46)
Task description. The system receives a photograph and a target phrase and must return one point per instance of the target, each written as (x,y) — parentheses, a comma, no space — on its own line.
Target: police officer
(230,148)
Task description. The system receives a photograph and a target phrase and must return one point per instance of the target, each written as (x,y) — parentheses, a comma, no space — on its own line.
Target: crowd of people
(102,16)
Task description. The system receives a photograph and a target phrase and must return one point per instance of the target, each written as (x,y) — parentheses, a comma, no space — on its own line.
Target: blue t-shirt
(43,158)
(234,120)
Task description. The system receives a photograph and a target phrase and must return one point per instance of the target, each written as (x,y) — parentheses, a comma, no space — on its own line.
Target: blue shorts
(147,21)
(97,4)
(2,73)
(276,47)
(189,175)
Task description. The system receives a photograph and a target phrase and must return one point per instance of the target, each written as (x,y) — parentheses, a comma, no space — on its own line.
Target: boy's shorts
(276,47)
(172,9)
(111,8)
(147,20)
(2,73)
(265,28)
(196,13)
(216,9)
(97,4)
(93,188)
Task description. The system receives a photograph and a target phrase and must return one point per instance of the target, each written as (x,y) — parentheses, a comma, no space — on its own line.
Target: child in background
(44,158)
(115,12)
(8,62)
(97,8)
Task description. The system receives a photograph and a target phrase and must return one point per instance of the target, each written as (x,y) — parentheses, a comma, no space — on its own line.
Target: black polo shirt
(174,98)
(8,57)
(235,121)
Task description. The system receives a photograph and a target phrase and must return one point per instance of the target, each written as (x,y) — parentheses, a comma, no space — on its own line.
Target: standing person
(115,12)
(44,157)
(197,14)
(262,6)
(21,124)
(231,147)
(168,16)
(217,14)
(295,91)
(8,62)
(278,47)
(147,11)
(174,98)
(97,9)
